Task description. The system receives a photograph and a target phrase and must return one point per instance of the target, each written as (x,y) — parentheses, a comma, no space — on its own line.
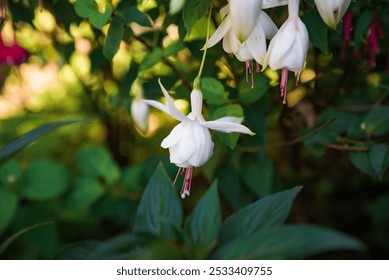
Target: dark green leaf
(10,172)
(213,91)
(204,222)
(193,11)
(96,161)
(377,121)
(268,212)
(361,160)
(173,48)
(90,10)
(151,59)
(160,209)
(86,190)
(8,204)
(295,241)
(44,180)
(132,14)
(317,29)
(26,139)
(361,27)
(377,158)
(114,37)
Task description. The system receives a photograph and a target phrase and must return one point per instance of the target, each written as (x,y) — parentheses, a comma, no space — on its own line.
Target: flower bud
(140,114)
(332,11)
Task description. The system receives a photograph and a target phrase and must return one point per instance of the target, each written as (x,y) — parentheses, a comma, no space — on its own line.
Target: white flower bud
(140,114)
(332,11)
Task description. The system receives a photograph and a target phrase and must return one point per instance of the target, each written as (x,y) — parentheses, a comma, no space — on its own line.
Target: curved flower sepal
(190,143)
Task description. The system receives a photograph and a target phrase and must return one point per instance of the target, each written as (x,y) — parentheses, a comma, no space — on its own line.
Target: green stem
(197,80)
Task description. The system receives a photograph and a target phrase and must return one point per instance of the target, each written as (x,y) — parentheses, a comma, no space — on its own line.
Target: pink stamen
(284,83)
(186,184)
(257,68)
(250,69)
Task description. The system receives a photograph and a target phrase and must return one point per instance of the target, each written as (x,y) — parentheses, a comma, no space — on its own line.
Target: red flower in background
(12,53)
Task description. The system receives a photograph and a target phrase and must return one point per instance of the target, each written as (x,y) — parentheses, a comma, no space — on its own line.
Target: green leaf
(44,179)
(317,29)
(377,121)
(173,48)
(89,9)
(160,209)
(8,205)
(96,161)
(361,27)
(114,37)
(258,173)
(247,94)
(268,212)
(26,139)
(204,222)
(132,14)
(10,172)
(193,11)
(151,59)
(235,110)
(86,190)
(377,158)
(213,91)
(294,241)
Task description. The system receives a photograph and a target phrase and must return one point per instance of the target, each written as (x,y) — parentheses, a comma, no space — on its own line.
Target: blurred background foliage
(100,188)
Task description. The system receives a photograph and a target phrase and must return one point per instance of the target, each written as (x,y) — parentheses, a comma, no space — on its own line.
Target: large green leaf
(89,9)
(8,205)
(96,161)
(26,139)
(317,29)
(268,212)
(193,11)
(43,180)
(213,91)
(292,241)
(114,37)
(10,172)
(131,14)
(377,121)
(160,209)
(248,94)
(86,190)
(204,222)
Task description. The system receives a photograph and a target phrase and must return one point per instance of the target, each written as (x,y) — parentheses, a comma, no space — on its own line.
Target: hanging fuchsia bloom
(372,46)
(347,26)
(190,143)
(288,49)
(12,54)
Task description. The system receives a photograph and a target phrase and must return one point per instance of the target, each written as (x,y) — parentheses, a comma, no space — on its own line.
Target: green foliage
(114,37)
(8,205)
(193,11)
(213,91)
(89,9)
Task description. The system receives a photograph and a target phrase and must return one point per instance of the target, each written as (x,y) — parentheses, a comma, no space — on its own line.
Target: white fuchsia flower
(288,49)
(190,143)
(140,114)
(332,11)
(254,47)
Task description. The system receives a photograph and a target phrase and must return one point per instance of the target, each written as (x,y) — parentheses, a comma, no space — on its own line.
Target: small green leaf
(8,205)
(193,11)
(213,91)
(377,158)
(268,212)
(86,190)
(89,9)
(159,210)
(317,29)
(44,179)
(204,222)
(173,48)
(291,242)
(114,37)
(377,121)
(361,161)
(26,139)
(247,94)
(235,110)
(151,59)
(132,14)
(10,172)
(96,161)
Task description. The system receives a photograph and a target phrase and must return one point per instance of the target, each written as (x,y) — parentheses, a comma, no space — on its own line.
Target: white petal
(244,16)
(220,32)
(256,44)
(173,111)
(243,54)
(157,105)
(227,127)
(225,10)
(274,3)
(268,25)
(174,137)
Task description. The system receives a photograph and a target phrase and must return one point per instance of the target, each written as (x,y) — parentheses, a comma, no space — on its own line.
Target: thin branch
(346,147)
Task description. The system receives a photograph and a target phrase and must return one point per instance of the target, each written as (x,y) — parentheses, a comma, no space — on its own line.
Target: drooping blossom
(190,143)
(372,46)
(12,53)
(140,114)
(332,11)
(288,49)
(253,47)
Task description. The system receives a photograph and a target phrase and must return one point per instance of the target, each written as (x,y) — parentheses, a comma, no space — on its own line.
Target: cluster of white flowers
(244,31)
(245,28)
